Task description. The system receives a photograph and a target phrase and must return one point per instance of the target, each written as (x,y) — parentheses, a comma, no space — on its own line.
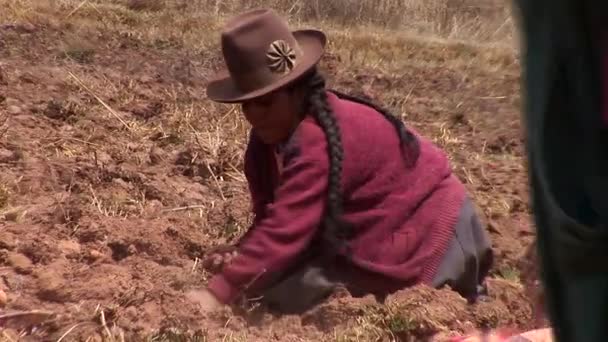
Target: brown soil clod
(52,287)
(19,262)
(58,110)
(145,111)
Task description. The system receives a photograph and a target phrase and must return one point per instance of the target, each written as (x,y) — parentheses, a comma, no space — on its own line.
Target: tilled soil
(117,175)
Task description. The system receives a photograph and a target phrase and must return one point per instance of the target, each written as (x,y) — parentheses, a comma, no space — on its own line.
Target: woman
(343,193)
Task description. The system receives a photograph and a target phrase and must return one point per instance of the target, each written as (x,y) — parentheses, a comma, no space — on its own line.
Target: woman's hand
(219,256)
(205,299)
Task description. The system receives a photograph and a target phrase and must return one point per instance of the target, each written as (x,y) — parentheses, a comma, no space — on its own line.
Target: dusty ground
(117,175)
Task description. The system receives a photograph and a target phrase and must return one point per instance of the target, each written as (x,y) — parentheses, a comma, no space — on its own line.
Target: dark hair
(336,231)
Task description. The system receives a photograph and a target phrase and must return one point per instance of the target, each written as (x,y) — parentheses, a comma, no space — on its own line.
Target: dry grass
(196,27)
(478,20)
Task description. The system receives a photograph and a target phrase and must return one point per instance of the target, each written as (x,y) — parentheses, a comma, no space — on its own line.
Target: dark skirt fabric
(469,256)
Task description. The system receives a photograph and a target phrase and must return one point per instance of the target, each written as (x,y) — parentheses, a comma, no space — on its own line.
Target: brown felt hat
(262,54)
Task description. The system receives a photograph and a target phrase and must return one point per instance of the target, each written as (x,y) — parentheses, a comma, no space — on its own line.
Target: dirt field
(117,174)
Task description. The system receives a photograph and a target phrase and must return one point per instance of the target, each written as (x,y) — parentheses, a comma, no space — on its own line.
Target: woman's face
(273,116)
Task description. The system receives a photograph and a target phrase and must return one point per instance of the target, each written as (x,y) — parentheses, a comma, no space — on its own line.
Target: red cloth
(403,218)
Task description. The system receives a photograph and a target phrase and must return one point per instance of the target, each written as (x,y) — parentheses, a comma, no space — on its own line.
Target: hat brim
(312,43)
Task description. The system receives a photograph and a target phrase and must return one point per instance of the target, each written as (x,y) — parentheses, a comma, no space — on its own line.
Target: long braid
(409,144)
(336,231)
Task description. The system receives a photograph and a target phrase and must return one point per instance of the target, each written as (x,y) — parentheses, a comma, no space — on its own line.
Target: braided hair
(336,231)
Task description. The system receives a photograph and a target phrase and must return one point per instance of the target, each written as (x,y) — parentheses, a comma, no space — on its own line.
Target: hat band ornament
(281,57)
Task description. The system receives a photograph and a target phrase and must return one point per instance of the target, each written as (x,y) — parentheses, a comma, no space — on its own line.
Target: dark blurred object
(563,49)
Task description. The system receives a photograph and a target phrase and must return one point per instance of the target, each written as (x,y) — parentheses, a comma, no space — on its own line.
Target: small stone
(120,182)
(3,298)
(14,110)
(156,155)
(155,204)
(27,27)
(21,263)
(103,157)
(69,248)
(146,79)
(132,250)
(6,155)
(95,255)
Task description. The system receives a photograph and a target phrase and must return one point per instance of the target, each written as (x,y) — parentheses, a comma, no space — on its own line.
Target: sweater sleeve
(290,224)
(255,164)
(256,170)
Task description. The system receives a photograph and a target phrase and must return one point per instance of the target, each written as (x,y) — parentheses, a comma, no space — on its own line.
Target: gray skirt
(466,263)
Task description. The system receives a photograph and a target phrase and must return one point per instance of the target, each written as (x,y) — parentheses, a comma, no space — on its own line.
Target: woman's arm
(288,226)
